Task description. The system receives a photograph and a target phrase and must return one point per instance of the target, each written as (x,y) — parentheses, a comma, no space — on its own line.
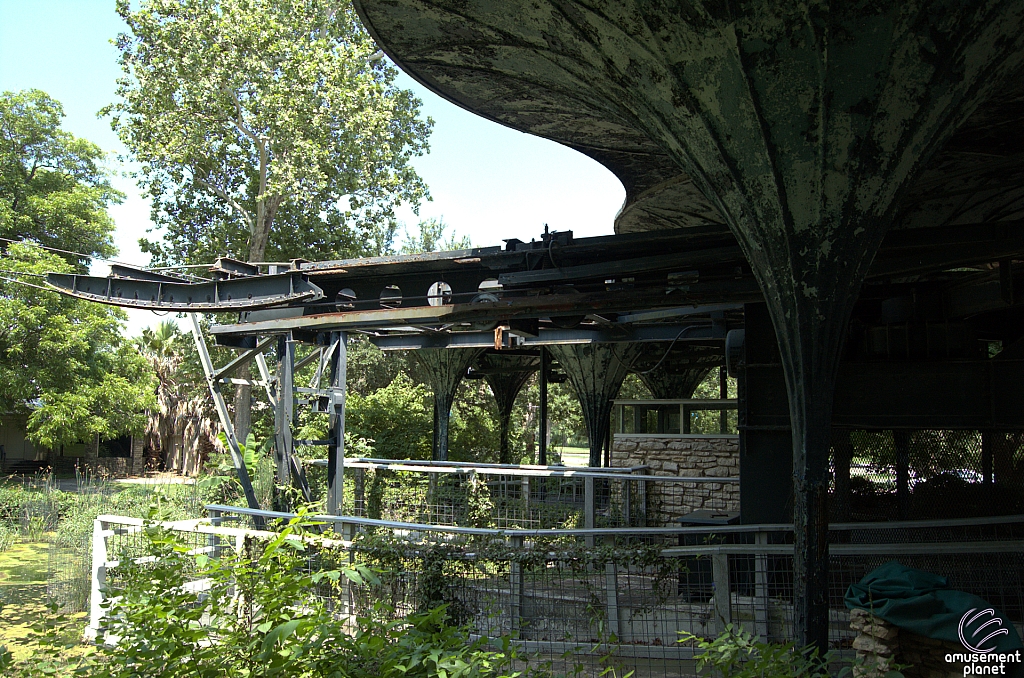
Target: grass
(574,456)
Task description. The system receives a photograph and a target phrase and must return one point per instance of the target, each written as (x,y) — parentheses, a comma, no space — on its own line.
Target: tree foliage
(266,129)
(63,361)
(54,189)
(398,418)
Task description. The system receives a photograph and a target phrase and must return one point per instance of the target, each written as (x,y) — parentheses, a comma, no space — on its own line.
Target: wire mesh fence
(64,519)
(526,497)
(921,474)
(578,602)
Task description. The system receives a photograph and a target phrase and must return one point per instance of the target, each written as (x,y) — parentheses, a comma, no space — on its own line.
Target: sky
(487,181)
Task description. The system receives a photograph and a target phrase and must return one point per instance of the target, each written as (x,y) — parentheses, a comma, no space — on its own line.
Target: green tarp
(923,603)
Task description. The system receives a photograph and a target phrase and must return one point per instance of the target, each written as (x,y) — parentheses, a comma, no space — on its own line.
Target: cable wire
(77,254)
(28,284)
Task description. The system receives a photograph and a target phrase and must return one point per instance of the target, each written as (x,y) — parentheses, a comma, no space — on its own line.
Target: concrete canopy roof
(520,80)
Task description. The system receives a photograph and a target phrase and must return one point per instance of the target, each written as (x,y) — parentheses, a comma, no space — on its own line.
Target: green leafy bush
(259,613)
(737,654)
(399,418)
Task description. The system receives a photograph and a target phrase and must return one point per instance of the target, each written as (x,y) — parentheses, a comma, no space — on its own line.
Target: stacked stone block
(881,646)
(697,456)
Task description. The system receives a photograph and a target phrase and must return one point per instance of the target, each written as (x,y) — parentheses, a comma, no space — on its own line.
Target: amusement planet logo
(977,628)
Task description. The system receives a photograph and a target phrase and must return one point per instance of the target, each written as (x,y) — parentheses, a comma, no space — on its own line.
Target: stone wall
(116,467)
(696,456)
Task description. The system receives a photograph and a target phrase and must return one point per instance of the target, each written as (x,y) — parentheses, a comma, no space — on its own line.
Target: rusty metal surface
(211,296)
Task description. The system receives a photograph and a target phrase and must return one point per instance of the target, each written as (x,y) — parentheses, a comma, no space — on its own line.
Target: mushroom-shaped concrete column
(506,375)
(596,372)
(671,385)
(803,122)
(445,368)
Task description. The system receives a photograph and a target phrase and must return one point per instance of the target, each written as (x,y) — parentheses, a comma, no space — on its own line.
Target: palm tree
(183,413)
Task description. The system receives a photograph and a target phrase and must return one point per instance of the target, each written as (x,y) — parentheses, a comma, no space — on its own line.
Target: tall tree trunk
(243,405)
(259,238)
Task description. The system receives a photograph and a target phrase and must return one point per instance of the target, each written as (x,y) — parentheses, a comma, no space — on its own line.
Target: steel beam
(212,296)
(336,450)
(284,410)
(546,337)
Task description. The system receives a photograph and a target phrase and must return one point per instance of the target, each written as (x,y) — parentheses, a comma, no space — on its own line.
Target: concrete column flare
(444,368)
(671,385)
(506,375)
(596,372)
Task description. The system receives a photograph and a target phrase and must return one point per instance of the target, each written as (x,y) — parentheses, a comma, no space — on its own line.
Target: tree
(182,413)
(54,189)
(63,361)
(266,129)
(431,237)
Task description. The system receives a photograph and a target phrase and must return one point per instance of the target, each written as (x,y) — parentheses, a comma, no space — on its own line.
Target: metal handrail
(478,465)
(530,472)
(614,531)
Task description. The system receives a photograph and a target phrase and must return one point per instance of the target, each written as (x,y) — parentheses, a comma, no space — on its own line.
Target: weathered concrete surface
(675,371)
(506,375)
(596,372)
(804,124)
(445,368)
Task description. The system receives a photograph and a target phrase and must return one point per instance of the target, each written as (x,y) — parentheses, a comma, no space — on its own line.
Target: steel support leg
(336,450)
(222,413)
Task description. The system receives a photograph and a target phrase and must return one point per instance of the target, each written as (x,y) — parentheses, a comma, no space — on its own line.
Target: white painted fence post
(99,578)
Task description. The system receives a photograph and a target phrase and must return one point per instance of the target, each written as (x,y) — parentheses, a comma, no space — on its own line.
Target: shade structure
(803,126)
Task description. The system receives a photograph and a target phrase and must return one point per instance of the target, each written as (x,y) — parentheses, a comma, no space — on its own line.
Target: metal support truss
(213,380)
(336,449)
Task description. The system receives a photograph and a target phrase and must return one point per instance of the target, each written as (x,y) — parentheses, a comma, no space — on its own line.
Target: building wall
(12,437)
(116,467)
(683,456)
